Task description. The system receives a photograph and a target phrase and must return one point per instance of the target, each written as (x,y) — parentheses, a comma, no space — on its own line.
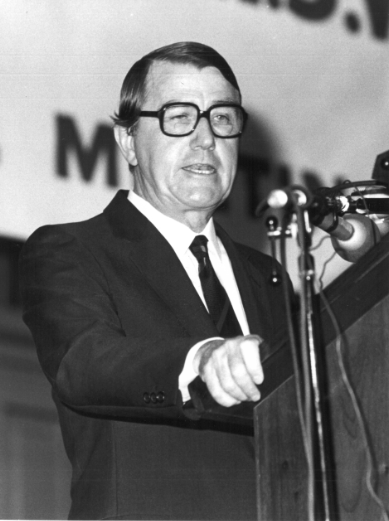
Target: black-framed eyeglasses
(226,120)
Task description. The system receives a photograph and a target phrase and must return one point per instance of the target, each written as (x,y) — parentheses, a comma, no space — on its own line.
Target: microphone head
(278,199)
(365,235)
(294,195)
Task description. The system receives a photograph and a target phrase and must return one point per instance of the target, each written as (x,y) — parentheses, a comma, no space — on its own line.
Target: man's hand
(231,368)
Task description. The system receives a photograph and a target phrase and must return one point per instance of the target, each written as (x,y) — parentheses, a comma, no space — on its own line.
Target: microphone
(352,235)
(320,203)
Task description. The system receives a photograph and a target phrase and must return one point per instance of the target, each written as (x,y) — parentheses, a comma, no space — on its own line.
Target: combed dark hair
(134,86)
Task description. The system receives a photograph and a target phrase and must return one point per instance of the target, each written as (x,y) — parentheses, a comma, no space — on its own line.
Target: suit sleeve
(87,357)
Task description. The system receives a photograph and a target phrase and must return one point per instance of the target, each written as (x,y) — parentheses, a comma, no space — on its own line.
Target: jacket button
(160,397)
(146,397)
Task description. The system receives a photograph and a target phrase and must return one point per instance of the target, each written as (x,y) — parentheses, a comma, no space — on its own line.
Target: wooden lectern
(359,299)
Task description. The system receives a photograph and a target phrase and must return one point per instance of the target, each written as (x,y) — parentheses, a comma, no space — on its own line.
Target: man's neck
(196,221)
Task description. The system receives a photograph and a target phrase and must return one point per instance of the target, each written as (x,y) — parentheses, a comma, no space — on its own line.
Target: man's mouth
(200,168)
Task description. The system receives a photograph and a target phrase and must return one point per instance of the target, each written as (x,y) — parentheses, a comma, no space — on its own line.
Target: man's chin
(204,204)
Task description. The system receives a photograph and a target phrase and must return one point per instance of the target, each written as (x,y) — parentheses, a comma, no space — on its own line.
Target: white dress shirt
(180,237)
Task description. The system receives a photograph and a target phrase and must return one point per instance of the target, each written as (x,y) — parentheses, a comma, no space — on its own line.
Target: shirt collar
(178,235)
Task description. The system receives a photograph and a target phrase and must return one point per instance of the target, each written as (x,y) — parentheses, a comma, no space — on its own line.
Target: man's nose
(202,136)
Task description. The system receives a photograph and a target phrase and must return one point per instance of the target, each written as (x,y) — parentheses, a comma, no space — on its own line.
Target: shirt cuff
(188,373)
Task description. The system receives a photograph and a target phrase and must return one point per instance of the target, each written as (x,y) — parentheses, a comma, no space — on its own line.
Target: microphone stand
(318,444)
(316,432)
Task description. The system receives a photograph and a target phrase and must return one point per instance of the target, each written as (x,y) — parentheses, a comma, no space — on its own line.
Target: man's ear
(126,144)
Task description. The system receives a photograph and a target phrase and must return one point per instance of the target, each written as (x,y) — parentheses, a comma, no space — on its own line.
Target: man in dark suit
(128,308)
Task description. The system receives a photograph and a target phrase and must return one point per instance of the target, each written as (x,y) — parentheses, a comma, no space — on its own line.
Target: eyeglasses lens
(226,121)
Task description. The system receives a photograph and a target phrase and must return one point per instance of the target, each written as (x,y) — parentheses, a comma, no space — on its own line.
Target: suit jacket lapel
(252,287)
(158,263)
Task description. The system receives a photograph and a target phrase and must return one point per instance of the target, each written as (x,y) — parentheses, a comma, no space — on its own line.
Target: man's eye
(180,116)
(222,119)
(177,116)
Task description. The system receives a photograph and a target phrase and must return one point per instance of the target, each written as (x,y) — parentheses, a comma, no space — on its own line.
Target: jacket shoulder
(85,231)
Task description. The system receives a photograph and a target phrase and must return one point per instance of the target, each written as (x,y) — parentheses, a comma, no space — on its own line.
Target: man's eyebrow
(226,100)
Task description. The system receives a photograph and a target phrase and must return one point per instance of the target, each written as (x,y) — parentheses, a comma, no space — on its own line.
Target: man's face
(182,175)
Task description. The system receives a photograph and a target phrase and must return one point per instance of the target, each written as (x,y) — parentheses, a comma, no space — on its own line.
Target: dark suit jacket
(113,315)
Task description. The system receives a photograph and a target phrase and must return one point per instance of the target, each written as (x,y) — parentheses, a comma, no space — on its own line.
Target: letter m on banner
(103,143)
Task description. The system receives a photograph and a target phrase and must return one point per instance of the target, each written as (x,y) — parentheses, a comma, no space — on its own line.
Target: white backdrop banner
(314,76)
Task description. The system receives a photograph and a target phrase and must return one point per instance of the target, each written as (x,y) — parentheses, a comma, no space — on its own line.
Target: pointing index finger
(251,357)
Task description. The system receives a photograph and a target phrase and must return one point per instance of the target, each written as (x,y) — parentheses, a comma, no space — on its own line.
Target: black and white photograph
(194,260)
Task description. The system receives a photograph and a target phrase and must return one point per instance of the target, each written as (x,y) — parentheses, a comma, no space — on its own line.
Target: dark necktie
(215,295)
